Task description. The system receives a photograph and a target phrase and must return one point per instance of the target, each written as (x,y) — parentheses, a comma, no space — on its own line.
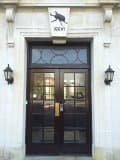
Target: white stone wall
(85,22)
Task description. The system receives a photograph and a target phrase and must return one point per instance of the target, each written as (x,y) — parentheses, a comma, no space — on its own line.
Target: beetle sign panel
(59,19)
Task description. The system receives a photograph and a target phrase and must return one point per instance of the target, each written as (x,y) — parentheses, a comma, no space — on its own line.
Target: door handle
(57,109)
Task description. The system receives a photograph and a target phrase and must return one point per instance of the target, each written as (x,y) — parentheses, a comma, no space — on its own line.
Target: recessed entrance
(59,110)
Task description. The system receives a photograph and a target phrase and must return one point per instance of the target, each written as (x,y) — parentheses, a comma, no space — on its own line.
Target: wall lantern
(109,73)
(8,73)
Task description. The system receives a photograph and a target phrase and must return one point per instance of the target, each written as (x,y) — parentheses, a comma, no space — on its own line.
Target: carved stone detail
(10,17)
(10,14)
(108,14)
(107,44)
(107,24)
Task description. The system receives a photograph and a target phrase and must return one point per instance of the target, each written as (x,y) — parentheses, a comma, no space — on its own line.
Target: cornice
(42,4)
(9,2)
(47,4)
(20,3)
(108,1)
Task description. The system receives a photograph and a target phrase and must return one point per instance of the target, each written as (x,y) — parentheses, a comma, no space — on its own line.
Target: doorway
(59,108)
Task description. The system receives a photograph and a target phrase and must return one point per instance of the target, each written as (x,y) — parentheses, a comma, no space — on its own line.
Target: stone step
(58,158)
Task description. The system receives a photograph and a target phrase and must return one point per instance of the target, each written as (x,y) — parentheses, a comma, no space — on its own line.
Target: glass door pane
(43,98)
(75,105)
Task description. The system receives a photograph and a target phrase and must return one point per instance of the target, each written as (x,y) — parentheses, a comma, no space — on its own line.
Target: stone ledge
(58,158)
(9,1)
(109,2)
(74,4)
(60,4)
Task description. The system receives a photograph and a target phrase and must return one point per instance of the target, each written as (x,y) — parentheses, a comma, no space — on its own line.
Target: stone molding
(10,18)
(108,13)
(108,6)
(9,1)
(10,14)
(103,2)
(37,3)
(10,6)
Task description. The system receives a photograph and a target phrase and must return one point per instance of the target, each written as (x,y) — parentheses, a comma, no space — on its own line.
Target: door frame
(29,67)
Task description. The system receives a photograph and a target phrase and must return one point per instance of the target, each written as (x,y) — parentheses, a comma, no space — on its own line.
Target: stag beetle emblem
(59,17)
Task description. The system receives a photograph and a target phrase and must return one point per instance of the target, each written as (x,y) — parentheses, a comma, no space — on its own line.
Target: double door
(58,112)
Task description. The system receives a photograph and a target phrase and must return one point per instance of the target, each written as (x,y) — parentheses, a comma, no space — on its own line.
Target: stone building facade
(96,22)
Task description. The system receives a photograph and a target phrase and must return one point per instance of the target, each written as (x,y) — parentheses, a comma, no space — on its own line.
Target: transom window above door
(57,55)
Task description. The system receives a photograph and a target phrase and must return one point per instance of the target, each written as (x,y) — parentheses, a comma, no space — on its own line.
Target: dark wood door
(59,116)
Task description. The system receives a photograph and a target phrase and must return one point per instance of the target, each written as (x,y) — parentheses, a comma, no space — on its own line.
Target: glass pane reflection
(68,136)
(37,135)
(74,136)
(79,79)
(48,135)
(48,104)
(80,136)
(40,135)
(49,79)
(80,93)
(38,79)
(68,93)
(80,97)
(68,79)
(37,94)
(48,93)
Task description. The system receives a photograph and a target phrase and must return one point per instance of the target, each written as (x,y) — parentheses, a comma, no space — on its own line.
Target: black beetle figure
(59,17)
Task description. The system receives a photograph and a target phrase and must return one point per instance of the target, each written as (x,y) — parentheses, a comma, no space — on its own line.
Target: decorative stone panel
(10,17)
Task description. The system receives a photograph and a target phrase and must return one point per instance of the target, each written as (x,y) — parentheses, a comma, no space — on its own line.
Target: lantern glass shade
(8,73)
(5,74)
(109,74)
